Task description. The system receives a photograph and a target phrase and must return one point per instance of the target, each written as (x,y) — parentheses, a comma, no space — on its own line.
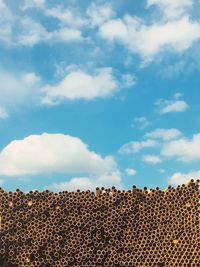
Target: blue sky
(99,93)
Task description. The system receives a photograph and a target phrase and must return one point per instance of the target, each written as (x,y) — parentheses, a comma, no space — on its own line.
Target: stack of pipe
(138,227)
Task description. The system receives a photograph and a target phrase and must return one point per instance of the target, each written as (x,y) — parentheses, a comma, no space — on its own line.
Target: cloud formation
(136,146)
(149,40)
(52,153)
(183,178)
(152,159)
(167,106)
(186,150)
(89,183)
(165,134)
(81,85)
(130,172)
(171,9)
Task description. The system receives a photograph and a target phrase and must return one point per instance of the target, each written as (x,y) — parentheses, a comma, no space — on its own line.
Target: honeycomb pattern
(137,228)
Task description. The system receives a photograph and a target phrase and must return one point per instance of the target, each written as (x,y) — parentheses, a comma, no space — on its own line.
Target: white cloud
(3,113)
(66,16)
(165,134)
(18,89)
(149,40)
(168,106)
(179,178)
(152,159)
(176,106)
(52,153)
(89,183)
(6,20)
(32,32)
(33,4)
(170,8)
(98,14)
(140,122)
(183,149)
(134,147)
(130,172)
(79,84)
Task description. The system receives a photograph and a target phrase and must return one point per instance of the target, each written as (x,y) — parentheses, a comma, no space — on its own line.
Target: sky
(99,93)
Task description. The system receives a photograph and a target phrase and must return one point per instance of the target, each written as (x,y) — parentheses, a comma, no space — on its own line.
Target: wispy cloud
(171,9)
(152,159)
(140,122)
(3,113)
(136,146)
(174,105)
(130,172)
(165,134)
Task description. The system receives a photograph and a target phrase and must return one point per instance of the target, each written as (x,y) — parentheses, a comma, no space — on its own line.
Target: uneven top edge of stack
(105,191)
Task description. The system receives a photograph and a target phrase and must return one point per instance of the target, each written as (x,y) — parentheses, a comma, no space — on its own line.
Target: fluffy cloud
(33,4)
(79,84)
(165,134)
(98,14)
(130,172)
(52,153)
(168,106)
(134,147)
(89,183)
(148,40)
(152,159)
(183,178)
(3,113)
(170,8)
(18,89)
(183,149)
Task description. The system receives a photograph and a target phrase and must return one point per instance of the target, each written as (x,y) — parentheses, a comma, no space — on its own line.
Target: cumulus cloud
(152,159)
(149,40)
(130,172)
(165,134)
(167,106)
(98,14)
(81,85)
(52,153)
(170,8)
(136,146)
(183,178)
(186,150)
(89,183)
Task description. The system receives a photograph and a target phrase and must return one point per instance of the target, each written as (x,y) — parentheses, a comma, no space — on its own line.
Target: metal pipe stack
(134,228)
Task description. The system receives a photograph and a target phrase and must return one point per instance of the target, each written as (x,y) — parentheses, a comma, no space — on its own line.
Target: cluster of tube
(134,228)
